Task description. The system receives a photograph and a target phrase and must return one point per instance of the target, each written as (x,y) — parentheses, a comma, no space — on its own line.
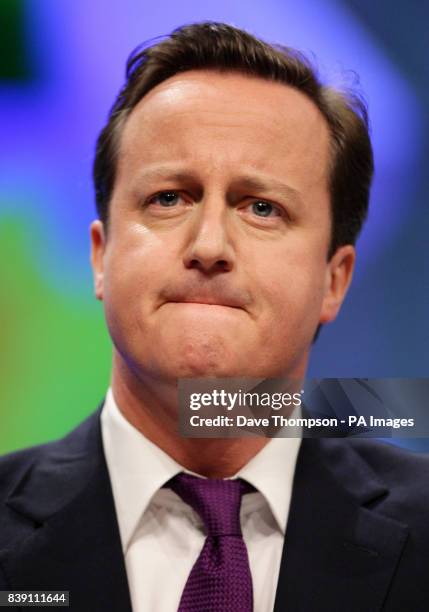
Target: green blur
(55,351)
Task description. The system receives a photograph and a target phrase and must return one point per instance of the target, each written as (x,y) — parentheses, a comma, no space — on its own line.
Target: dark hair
(222,47)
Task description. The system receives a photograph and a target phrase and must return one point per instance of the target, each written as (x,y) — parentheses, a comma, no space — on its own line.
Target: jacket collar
(340,552)
(64,514)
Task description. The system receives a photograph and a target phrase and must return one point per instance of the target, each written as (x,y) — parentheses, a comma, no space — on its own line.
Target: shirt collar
(138,469)
(271,472)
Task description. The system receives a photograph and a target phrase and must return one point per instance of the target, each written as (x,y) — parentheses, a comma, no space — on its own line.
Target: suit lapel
(65,526)
(339,552)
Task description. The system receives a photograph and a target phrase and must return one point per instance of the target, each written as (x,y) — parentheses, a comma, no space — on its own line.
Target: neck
(151,407)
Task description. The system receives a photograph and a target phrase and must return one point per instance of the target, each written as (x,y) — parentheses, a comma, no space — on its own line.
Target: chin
(198,364)
(205,367)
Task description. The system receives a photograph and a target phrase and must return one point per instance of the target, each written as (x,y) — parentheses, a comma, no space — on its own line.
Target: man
(231,187)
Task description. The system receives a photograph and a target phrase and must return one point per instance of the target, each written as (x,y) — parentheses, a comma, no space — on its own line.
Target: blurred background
(61,65)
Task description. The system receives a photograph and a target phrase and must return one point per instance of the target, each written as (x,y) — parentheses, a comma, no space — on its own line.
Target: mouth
(215,295)
(207,302)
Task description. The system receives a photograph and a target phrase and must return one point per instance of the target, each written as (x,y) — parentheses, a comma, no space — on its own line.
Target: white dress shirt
(162,536)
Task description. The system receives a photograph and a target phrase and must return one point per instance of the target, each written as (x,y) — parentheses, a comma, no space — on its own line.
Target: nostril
(220,264)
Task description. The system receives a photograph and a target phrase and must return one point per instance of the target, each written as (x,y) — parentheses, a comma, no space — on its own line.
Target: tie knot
(217,501)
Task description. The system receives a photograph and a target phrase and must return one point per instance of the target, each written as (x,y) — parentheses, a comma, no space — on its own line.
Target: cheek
(291,295)
(134,269)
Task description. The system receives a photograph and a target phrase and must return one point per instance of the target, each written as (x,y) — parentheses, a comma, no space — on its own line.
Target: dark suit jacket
(357,537)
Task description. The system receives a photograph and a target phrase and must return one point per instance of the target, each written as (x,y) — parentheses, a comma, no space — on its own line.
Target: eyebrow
(251,182)
(269,184)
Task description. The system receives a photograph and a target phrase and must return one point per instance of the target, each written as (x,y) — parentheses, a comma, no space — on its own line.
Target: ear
(98,246)
(339,274)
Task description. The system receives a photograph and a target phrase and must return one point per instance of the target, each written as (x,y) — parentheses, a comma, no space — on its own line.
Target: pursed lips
(207,301)
(221,295)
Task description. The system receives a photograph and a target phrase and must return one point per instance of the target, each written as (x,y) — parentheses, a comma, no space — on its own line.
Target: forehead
(226,119)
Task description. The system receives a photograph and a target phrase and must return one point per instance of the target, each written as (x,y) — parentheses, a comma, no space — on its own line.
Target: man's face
(215,263)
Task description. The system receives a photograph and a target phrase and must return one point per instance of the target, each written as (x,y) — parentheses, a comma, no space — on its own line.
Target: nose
(209,248)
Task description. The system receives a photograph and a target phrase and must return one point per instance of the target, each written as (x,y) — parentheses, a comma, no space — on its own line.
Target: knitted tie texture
(220,580)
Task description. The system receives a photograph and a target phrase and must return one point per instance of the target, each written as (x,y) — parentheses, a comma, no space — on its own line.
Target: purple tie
(220,580)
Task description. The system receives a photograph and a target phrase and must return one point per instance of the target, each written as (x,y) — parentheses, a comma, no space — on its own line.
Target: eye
(166,199)
(265,209)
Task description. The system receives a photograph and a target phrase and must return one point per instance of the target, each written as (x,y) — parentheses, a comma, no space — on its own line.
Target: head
(231,186)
